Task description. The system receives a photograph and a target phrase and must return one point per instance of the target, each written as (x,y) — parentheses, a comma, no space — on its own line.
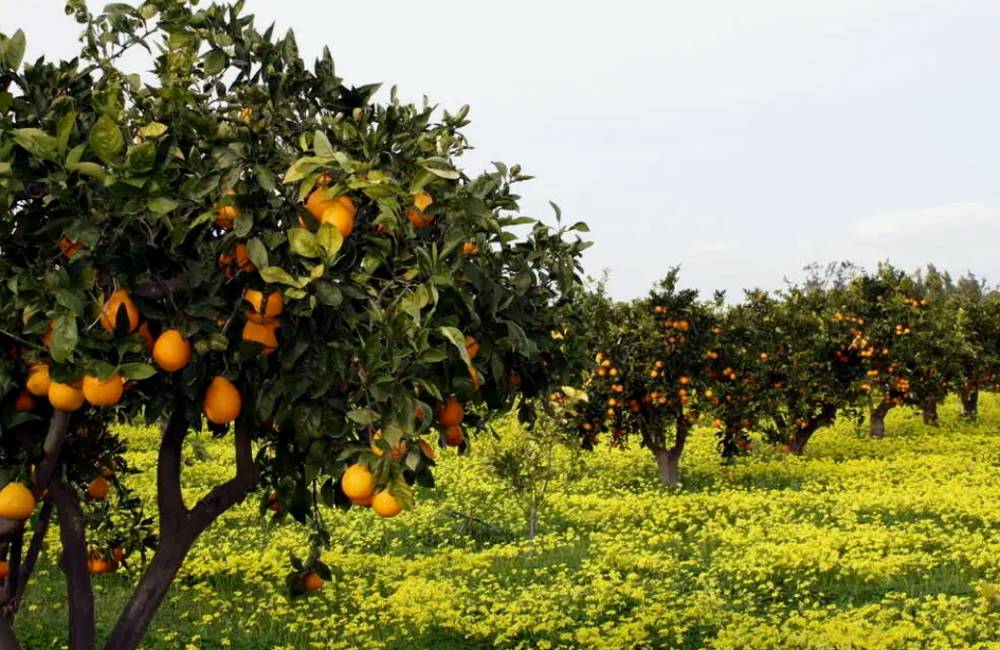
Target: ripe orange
(386,505)
(266,307)
(172,351)
(24,401)
(118,553)
(98,489)
(39,380)
(417,217)
(225,216)
(103,393)
(97,564)
(222,401)
(16,502)
(365,502)
(65,397)
(264,333)
(470,247)
(69,247)
(339,213)
(471,346)
(398,450)
(113,305)
(146,335)
(242,257)
(312,582)
(453,435)
(357,482)
(4,569)
(450,412)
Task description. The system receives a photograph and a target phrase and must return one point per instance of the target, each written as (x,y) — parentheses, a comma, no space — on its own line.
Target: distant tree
(977,308)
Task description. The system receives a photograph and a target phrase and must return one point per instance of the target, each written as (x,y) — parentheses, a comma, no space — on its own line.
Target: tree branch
(34,548)
(79,593)
(168,472)
(224,496)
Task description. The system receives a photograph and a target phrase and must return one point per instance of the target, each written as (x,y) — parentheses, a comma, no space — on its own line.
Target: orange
(386,505)
(118,553)
(225,216)
(172,351)
(312,582)
(98,489)
(39,380)
(24,401)
(147,336)
(453,435)
(96,564)
(112,307)
(417,217)
(65,397)
(340,215)
(398,450)
(242,256)
(357,482)
(471,347)
(69,247)
(103,393)
(16,502)
(222,401)
(450,412)
(470,247)
(4,569)
(266,307)
(426,448)
(264,333)
(366,502)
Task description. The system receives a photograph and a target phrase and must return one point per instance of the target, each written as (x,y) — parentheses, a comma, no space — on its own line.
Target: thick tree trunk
(970,403)
(34,548)
(7,639)
(876,423)
(668,460)
(180,527)
(79,593)
(801,437)
(930,412)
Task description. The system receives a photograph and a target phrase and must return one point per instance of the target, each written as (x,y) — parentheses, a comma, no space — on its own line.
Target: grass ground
(859,544)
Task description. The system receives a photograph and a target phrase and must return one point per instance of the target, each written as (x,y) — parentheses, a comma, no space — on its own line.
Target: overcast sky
(741,140)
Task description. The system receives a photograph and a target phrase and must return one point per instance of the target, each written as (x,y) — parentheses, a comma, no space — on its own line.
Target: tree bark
(179,527)
(876,424)
(79,593)
(970,403)
(34,548)
(930,412)
(801,437)
(532,521)
(8,641)
(668,459)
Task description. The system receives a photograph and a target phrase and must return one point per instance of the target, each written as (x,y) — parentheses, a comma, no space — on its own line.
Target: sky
(739,140)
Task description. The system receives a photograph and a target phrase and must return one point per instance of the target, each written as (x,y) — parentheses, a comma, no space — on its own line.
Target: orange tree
(908,339)
(807,371)
(247,244)
(648,379)
(977,309)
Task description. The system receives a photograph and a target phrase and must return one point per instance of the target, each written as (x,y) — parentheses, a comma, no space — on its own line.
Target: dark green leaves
(64,337)
(38,143)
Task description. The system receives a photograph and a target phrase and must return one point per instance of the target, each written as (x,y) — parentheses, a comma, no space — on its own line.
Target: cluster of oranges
(358,485)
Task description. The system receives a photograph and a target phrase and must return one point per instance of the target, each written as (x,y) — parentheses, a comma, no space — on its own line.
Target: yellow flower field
(859,544)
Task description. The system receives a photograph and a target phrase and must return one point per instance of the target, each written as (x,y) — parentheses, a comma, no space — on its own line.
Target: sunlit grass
(859,544)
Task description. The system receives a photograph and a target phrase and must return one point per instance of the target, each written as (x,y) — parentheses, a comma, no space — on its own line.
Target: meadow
(860,543)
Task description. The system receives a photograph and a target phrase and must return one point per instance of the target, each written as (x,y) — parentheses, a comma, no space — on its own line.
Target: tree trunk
(79,593)
(876,424)
(180,527)
(799,439)
(970,403)
(668,466)
(930,412)
(7,639)
(532,521)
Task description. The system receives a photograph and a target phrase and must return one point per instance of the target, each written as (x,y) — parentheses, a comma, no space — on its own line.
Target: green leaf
(141,157)
(329,293)
(88,169)
(455,336)
(153,130)
(330,240)
(161,205)
(278,275)
(137,371)
(365,417)
(257,252)
(303,167)
(440,168)
(265,178)
(13,50)
(64,130)
(37,142)
(106,139)
(215,62)
(64,337)
(302,242)
(321,145)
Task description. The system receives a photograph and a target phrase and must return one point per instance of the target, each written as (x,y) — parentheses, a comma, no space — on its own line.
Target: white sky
(741,140)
